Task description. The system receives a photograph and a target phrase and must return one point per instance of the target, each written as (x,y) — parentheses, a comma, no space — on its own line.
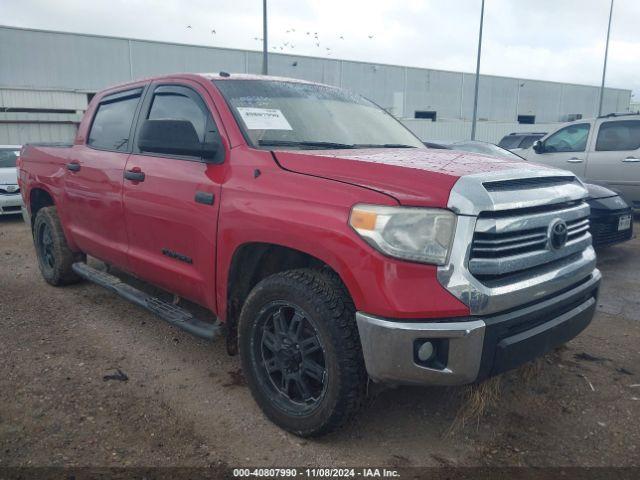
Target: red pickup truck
(330,244)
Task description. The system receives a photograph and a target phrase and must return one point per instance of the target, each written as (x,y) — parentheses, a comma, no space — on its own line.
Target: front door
(565,149)
(171,202)
(614,161)
(92,204)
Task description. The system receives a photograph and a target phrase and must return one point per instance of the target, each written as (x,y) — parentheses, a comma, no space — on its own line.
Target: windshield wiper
(291,143)
(382,145)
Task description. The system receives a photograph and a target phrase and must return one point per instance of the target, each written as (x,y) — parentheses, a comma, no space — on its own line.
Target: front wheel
(301,351)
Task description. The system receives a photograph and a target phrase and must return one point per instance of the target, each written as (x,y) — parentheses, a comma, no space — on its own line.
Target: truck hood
(8,176)
(419,177)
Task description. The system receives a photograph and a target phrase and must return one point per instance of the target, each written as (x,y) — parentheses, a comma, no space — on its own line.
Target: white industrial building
(47,79)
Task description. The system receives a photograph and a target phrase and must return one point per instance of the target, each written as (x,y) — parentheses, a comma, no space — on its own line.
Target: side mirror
(538,146)
(174,137)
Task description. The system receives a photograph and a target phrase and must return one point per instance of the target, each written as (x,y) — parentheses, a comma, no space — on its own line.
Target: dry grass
(476,400)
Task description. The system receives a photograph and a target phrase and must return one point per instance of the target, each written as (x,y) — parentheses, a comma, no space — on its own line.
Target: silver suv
(604,150)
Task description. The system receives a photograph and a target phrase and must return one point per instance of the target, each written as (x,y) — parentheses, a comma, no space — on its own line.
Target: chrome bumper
(477,347)
(11,201)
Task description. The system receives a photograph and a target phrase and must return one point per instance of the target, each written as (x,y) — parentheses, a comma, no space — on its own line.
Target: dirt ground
(185,402)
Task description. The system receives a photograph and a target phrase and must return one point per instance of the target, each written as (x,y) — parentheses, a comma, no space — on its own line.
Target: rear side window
(621,135)
(510,141)
(529,140)
(112,123)
(179,103)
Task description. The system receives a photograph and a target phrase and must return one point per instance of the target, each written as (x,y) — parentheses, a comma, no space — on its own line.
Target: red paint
(301,201)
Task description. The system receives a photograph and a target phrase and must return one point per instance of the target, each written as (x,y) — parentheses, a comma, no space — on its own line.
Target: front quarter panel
(310,214)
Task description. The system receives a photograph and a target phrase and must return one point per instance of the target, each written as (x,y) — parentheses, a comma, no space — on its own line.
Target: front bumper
(10,204)
(474,348)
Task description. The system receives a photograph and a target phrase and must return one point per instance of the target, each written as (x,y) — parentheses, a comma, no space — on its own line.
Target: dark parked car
(520,139)
(611,217)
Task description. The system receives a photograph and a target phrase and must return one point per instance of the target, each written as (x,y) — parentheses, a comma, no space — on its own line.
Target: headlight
(416,234)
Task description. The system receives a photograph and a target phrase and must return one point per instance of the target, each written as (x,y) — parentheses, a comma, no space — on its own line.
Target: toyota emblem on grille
(12,188)
(558,234)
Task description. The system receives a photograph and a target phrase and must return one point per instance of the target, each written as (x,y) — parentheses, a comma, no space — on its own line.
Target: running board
(173,314)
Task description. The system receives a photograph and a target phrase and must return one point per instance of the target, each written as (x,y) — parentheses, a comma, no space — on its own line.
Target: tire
(315,310)
(54,256)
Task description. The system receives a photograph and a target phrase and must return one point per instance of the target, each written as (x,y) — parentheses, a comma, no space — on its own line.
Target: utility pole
(475,96)
(606,54)
(265,59)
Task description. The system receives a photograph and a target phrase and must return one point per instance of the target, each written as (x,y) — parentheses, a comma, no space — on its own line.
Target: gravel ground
(185,403)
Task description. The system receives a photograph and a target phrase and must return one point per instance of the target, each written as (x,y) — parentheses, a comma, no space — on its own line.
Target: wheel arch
(251,262)
(39,198)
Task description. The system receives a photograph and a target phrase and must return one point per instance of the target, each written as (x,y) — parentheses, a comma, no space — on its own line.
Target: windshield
(486,149)
(8,158)
(299,115)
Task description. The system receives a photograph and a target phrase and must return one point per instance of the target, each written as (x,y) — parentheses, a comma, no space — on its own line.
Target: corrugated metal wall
(42,60)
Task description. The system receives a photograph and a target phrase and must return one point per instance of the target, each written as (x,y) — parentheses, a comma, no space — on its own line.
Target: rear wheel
(54,256)
(301,352)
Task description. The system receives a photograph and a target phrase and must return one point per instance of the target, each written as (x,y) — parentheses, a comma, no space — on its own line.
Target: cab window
(570,139)
(111,125)
(179,103)
(619,135)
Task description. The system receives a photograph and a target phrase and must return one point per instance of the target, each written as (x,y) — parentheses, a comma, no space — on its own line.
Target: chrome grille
(527,183)
(5,191)
(513,241)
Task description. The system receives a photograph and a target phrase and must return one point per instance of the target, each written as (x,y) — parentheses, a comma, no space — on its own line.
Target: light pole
(520,85)
(265,56)
(606,54)
(475,95)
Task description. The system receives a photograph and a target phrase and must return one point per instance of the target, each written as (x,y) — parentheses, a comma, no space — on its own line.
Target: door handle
(205,198)
(631,160)
(73,166)
(574,160)
(135,175)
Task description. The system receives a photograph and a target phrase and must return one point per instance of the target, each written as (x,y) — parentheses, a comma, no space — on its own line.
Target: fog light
(426,351)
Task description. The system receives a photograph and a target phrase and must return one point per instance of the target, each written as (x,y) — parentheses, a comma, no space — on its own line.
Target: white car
(604,151)
(10,198)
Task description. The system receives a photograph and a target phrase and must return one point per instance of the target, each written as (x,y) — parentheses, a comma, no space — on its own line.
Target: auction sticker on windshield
(264,118)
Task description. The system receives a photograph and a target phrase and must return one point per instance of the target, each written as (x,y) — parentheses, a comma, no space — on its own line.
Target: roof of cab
(250,76)
(208,76)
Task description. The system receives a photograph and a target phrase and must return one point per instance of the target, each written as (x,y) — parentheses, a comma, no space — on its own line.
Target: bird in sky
(341,37)
(213,32)
(370,36)
(188,26)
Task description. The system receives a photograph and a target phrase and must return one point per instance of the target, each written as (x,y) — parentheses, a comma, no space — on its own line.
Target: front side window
(112,122)
(618,136)
(285,114)
(179,103)
(570,139)
(8,158)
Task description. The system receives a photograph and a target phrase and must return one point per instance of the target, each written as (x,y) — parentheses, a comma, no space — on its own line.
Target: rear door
(566,149)
(171,213)
(614,159)
(93,210)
